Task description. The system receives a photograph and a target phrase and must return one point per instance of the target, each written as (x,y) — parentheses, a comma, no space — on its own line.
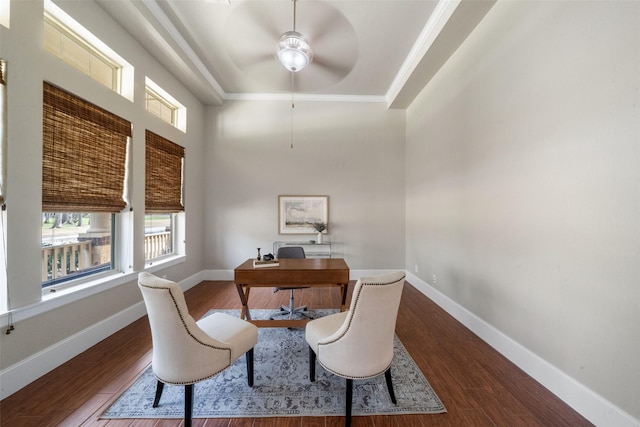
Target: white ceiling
(364,50)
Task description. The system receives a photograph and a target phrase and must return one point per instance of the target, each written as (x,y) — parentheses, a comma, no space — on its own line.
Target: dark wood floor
(477,385)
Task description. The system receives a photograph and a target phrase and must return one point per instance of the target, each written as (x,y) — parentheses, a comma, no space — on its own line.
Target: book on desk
(262,264)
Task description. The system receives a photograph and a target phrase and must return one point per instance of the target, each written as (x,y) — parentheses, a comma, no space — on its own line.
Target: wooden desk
(292,272)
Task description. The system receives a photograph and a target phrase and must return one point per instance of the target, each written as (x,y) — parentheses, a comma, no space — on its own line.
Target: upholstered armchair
(185,351)
(358,343)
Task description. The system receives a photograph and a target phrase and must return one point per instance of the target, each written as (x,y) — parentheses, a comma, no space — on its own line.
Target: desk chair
(185,351)
(291,310)
(358,344)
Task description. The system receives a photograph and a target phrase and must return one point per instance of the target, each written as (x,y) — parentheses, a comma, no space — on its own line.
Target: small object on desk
(259,257)
(260,264)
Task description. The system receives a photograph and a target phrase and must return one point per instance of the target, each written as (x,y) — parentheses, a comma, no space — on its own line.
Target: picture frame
(297,214)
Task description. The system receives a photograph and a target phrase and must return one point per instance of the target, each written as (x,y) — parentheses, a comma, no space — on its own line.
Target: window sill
(62,297)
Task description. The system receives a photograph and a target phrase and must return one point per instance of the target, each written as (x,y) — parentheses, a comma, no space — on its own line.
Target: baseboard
(583,400)
(17,376)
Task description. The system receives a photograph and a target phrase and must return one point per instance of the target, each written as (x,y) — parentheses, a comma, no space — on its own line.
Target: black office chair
(291,310)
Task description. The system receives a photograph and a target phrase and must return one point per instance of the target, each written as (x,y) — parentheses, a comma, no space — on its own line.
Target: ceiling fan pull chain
(292,101)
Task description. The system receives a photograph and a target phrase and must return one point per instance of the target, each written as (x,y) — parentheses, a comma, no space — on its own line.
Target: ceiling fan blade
(253,21)
(324,21)
(333,41)
(337,68)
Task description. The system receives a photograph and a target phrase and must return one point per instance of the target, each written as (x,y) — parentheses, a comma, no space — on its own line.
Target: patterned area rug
(282,386)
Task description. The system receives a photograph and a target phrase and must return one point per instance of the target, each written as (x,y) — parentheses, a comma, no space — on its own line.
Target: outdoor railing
(63,259)
(157,244)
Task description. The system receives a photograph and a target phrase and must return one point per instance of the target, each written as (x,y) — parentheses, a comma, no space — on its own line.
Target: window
(61,42)
(5,12)
(163,194)
(68,40)
(158,235)
(75,245)
(158,106)
(83,180)
(161,104)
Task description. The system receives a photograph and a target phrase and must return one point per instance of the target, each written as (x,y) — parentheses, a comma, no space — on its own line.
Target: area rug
(282,386)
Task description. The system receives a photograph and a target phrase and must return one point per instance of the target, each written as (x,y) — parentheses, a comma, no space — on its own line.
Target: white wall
(352,152)
(522,185)
(28,66)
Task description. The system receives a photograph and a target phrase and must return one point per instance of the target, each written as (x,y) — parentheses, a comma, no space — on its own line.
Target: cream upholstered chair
(185,351)
(358,343)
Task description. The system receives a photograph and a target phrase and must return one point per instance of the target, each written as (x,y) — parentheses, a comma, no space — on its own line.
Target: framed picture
(298,214)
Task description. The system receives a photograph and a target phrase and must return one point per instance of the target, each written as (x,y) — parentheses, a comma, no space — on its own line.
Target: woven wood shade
(163,176)
(83,155)
(3,72)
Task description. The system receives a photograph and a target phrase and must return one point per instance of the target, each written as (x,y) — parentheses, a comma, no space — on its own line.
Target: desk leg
(244,299)
(344,288)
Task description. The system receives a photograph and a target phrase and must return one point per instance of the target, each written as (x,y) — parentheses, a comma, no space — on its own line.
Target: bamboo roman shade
(163,180)
(83,155)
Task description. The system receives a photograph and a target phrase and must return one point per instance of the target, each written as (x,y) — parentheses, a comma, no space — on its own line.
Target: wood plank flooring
(478,386)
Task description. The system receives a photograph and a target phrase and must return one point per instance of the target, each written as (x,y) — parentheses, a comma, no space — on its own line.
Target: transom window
(161,104)
(160,107)
(65,38)
(72,49)
(5,13)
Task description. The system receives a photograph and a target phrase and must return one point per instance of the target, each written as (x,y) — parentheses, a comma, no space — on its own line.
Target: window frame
(172,237)
(126,81)
(179,111)
(64,31)
(74,132)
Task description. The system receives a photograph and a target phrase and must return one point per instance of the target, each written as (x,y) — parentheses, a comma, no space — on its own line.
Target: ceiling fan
(294,52)
(327,51)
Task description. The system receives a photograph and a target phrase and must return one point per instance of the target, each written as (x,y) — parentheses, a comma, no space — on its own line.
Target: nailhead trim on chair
(191,335)
(351,377)
(349,326)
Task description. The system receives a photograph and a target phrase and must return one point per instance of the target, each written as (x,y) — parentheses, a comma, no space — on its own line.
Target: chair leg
(159,388)
(387,376)
(249,357)
(348,401)
(188,404)
(312,364)
(292,304)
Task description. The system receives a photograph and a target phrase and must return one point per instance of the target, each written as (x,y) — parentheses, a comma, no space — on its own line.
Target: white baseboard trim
(18,375)
(589,404)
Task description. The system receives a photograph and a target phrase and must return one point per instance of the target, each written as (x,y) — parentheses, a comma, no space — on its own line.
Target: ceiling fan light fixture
(293,51)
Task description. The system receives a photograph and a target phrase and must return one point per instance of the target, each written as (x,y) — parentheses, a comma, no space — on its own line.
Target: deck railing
(62,259)
(65,258)
(157,244)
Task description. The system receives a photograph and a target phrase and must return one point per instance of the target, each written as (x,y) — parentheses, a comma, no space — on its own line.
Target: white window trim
(181,110)
(55,300)
(126,88)
(5,13)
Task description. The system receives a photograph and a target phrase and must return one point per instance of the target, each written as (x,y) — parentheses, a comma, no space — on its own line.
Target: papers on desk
(262,264)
